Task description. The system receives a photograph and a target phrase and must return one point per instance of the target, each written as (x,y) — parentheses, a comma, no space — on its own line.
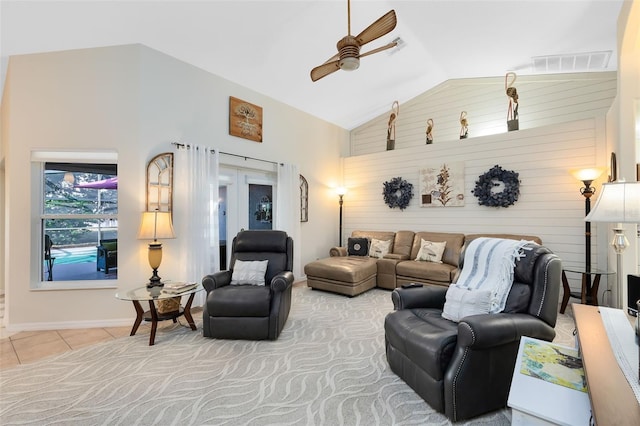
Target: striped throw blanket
(486,278)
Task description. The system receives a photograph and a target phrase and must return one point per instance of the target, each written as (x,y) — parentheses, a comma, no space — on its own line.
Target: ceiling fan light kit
(348,56)
(349,64)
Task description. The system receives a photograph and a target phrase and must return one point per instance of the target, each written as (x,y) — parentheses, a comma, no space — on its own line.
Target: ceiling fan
(348,56)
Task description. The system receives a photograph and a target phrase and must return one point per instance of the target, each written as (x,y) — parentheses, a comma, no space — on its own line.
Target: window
(79,221)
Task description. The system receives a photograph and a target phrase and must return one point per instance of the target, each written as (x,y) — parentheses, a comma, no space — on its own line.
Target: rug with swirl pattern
(328,367)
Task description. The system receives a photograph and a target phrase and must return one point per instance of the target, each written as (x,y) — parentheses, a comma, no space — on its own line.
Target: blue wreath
(397,192)
(505,198)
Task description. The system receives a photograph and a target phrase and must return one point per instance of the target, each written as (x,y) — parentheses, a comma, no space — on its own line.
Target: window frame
(39,161)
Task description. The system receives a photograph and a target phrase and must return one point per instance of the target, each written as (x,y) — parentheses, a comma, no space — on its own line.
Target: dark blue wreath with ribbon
(497,176)
(397,192)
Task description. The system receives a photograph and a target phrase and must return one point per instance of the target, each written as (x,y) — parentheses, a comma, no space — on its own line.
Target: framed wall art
(442,185)
(245,120)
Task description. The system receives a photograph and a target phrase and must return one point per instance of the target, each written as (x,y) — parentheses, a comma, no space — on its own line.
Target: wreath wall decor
(397,192)
(488,190)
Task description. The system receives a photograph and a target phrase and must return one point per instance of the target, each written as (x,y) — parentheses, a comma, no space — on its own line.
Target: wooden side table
(589,292)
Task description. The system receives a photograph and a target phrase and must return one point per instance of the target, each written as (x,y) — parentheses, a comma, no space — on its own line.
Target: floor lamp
(618,203)
(587,176)
(340,191)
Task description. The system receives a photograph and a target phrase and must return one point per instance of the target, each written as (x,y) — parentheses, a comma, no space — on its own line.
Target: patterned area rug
(327,368)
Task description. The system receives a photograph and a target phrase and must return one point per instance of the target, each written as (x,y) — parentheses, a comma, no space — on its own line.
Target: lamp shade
(341,190)
(619,202)
(587,174)
(156,225)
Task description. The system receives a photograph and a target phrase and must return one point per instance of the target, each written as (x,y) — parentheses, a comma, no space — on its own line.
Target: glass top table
(152,294)
(589,292)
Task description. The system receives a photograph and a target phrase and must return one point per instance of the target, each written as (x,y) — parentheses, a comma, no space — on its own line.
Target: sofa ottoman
(349,275)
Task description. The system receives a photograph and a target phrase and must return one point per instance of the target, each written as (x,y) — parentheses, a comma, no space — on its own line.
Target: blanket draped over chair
(485,279)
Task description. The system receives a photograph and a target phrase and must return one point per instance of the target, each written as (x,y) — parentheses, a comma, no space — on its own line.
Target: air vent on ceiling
(590,61)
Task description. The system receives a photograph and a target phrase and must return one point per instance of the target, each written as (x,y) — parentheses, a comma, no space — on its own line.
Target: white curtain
(287,209)
(195,218)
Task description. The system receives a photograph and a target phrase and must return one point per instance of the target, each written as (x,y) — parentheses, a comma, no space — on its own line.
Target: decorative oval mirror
(160,183)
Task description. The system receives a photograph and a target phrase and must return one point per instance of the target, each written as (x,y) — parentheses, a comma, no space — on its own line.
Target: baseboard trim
(63,325)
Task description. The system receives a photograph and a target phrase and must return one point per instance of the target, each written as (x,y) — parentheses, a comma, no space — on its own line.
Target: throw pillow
(249,272)
(461,302)
(430,251)
(357,247)
(379,248)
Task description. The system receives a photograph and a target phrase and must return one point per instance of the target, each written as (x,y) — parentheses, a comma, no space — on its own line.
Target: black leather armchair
(464,369)
(248,311)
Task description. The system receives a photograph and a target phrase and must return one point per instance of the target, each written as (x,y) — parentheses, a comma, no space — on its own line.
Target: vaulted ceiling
(271,46)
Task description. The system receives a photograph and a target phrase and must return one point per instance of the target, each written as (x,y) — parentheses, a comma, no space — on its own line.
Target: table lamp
(618,203)
(155,225)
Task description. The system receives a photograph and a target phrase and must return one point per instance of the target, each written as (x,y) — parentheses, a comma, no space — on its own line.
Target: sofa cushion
(379,248)
(357,246)
(452,250)
(426,271)
(519,298)
(402,243)
(239,301)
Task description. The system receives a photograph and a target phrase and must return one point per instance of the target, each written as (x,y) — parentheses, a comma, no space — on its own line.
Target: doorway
(246,202)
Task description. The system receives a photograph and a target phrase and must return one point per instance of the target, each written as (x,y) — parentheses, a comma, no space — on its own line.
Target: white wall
(135,101)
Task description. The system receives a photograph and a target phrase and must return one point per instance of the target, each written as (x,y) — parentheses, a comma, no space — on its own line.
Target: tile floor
(29,346)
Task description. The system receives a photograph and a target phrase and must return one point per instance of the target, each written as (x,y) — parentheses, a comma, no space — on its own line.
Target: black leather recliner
(464,369)
(251,312)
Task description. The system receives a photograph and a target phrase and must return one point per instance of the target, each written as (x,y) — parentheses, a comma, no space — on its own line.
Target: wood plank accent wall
(544,100)
(567,131)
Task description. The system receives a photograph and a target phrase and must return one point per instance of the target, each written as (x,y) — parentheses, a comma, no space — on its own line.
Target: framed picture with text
(245,120)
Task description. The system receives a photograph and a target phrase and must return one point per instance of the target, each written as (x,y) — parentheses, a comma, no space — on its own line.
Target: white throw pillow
(462,302)
(249,272)
(379,248)
(430,251)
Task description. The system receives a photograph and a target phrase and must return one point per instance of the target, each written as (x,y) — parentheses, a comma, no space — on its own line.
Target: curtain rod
(187,146)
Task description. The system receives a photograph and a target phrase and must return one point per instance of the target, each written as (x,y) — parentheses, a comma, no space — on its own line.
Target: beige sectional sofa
(352,275)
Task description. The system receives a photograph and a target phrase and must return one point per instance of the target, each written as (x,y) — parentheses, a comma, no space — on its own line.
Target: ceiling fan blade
(324,70)
(379,28)
(380,49)
(333,58)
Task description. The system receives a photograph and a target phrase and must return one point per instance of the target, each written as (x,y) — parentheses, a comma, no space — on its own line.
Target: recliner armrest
(490,330)
(282,281)
(216,280)
(429,296)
